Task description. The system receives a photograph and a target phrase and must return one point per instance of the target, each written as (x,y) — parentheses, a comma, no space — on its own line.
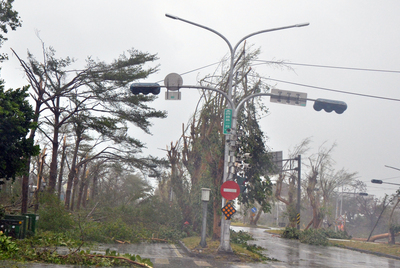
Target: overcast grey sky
(359,34)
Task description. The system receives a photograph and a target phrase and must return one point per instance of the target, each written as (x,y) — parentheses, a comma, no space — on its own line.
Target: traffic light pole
(229,154)
(231,136)
(298,191)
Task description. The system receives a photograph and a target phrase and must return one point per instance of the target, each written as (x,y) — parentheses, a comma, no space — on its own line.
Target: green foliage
(314,237)
(109,231)
(258,186)
(291,233)
(9,19)
(7,246)
(42,248)
(394,228)
(52,215)
(2,212)
(16,115)
(337,235)
(240,237)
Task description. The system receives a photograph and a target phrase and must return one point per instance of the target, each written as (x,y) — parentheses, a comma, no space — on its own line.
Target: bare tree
(320,163)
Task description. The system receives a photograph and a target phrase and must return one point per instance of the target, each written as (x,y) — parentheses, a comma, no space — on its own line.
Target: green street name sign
(227,121)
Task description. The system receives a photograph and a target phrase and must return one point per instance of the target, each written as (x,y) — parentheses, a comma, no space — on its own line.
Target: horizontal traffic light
(377,181)
(145,88)
(330,105)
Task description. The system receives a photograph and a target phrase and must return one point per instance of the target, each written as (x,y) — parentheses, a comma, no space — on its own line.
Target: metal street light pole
(225,224)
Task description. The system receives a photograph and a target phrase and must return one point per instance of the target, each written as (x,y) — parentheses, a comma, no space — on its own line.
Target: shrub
(7,246)
(314,237)
(52,215)
(240,237)
(291,233)
(108,232)
(337,235)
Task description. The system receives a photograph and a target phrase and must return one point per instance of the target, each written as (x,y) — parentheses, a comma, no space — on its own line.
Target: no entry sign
(230,190)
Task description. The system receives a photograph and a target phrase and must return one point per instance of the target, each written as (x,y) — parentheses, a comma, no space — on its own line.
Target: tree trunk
(25,188)
(74,190)
(217,219)
(60,175)
(94,187)
(54,155)
(72,173)
(41,158)
(85,196)
(81,187)
(391,230)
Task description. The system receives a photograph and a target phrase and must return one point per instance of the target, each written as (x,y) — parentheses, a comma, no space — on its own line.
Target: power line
(334,90)
(309,86)
(329,66)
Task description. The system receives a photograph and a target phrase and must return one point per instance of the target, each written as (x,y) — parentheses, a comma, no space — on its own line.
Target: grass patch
(239,224)
(393,250)
(212,249)
(275,231)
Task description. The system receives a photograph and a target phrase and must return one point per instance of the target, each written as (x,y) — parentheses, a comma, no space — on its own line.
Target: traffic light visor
(145,88)
(330,105)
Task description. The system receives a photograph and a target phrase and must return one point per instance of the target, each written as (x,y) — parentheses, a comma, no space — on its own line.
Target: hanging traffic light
(330,105)
(242,183)
(145,88)
(377,181)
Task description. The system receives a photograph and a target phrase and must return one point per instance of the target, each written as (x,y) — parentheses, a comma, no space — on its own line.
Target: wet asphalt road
(289,253)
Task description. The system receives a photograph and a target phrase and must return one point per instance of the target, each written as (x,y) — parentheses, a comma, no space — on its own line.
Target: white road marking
(161,261)
(176,251)
(202,263)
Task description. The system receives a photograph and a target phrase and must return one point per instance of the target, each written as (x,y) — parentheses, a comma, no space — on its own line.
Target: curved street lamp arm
(269,30)
(202,26)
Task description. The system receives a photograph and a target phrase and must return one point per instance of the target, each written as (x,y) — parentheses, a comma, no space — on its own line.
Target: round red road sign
(230,190)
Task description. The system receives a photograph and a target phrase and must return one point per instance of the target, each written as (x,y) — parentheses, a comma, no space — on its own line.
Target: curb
(186,249)
(365,251)
(372,252)
(207,256)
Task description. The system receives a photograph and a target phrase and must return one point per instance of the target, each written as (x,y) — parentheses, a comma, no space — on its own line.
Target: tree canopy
(16,117)
(9,19)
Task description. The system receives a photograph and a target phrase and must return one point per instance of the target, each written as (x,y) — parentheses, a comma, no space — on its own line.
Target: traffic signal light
(145,88)
(242,183)
(363,194)
(330,105)
(377,181)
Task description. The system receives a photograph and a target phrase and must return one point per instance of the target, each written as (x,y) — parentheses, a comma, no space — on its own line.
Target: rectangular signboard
(277,158)
(288,97)
(172,95)
(227,121)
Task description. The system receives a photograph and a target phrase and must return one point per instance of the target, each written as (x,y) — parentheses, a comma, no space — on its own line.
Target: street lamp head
(302,24)
(171,16)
